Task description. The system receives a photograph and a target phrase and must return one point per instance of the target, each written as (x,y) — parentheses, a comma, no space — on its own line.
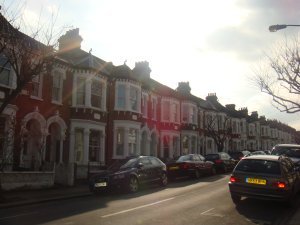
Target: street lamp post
(274,28)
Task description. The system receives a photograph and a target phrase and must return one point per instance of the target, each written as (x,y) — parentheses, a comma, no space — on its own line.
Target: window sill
(36,98)
(56,102)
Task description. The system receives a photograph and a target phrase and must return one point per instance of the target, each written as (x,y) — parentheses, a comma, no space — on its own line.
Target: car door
(206,165)
(198,164)
(145,170)
(157,168)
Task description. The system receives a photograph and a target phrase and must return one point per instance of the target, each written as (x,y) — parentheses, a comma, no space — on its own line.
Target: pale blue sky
(213,44)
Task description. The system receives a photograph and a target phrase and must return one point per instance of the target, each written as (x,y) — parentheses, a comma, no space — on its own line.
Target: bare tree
(6,143)
(219,130)
(27,56)
(280,77)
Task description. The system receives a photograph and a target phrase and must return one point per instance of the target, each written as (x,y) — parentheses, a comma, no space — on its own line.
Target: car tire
(164,180)
(236,199)
(133,185)
(225,169)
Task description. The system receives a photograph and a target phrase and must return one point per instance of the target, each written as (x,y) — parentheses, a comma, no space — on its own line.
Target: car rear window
(258,166)
(212,157)
(184,158)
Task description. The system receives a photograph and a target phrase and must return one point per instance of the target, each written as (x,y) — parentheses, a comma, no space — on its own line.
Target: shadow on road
(265,212)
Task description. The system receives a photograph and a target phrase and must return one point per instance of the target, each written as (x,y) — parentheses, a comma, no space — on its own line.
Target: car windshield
(288,151)
(212,157)
(123,164)
(258,166)
(184,158)
(236,155)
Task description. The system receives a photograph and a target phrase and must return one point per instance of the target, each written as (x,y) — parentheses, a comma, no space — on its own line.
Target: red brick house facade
(88,112)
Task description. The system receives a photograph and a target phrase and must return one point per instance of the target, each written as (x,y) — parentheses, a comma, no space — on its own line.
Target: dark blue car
(130,173)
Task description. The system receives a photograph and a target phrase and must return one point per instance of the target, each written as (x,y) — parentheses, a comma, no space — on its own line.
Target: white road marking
(139,207)
(206,213)
(23,214)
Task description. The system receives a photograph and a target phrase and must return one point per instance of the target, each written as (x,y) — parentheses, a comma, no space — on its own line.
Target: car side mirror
(140,165)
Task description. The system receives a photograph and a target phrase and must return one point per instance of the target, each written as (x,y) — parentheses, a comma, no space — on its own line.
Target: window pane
(154,102)
(36,85)
(5,68)
(132,141)
(94,146)
(185,113)
(56,88)
(79,145)
(120,142)
(80,91)
(166,110)
(133,98)
(121,96)
(96,97)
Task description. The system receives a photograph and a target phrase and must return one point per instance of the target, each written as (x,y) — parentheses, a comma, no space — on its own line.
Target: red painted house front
(86,113)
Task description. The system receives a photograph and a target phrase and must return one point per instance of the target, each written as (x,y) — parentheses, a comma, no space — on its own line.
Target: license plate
(256,181)
(102,184)
(173,168)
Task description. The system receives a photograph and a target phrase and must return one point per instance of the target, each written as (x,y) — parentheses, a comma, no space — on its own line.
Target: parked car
(222,160)
(238,155)
(267,177)
(130,173)
(193,165)
(290,150)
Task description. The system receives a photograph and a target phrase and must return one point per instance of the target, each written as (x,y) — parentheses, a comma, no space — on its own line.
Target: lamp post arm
(274,28)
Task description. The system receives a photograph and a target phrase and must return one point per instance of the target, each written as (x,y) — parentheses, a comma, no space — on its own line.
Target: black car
(130,173)
(266,177)
(290,150)
(193,165)
(238,155)
(223,162)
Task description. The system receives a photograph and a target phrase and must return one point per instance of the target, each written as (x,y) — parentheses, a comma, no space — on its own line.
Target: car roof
(287,145)
(263,157)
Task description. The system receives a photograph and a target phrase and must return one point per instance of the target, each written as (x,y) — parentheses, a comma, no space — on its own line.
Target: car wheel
(164,180)
(213,171)
(133,185)
(236,199)
(197,174)
(225,169)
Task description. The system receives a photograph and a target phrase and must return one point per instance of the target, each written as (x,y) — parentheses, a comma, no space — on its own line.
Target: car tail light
(218,161)
(185,166)
(233,179)
(280,184)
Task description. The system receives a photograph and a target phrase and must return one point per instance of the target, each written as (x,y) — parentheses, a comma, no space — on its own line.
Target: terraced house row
(87,112)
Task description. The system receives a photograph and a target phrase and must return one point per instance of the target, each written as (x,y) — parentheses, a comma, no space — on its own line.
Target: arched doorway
(33,145)
(53,151)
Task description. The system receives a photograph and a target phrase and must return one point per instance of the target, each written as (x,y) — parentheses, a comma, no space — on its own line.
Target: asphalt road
(205,201)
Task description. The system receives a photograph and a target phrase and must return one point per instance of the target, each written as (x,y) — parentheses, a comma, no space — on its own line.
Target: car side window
(202,158)
(145,161)
(154,161)
(196,158)
(224,156)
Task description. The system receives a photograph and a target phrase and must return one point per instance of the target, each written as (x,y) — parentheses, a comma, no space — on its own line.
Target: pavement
(27,197)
